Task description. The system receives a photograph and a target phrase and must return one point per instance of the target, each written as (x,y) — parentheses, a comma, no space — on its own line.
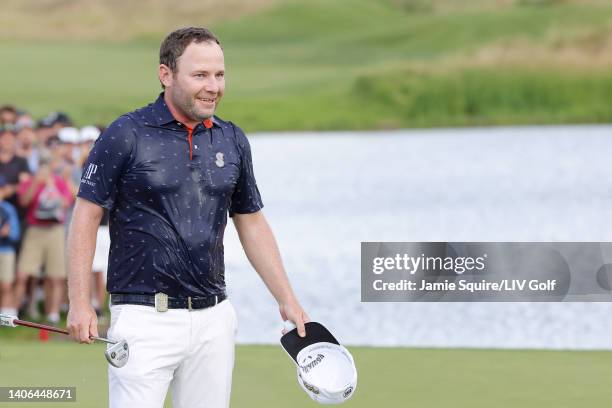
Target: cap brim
(315,333)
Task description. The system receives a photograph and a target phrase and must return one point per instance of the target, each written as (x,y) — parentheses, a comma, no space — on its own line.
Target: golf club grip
(40,326)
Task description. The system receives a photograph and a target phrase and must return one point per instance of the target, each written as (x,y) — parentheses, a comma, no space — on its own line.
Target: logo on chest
(220,161)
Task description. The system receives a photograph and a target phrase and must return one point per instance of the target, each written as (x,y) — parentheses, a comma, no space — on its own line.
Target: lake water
(325,193)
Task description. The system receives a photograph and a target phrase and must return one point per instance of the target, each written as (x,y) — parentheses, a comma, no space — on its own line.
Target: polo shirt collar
(163,116)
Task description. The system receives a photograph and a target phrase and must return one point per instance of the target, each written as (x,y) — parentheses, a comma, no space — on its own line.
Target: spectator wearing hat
(50,126)
(56,121)
(24,120)
(65,157)
(44,132)
(89,134)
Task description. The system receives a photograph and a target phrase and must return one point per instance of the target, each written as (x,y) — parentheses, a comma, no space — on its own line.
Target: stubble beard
(197,115)
(187,104)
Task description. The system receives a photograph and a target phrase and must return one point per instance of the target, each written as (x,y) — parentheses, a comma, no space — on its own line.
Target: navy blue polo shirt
(169,190)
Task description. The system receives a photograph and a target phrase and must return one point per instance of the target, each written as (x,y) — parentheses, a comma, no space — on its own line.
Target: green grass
(485,96)
(343,64)
(388,377)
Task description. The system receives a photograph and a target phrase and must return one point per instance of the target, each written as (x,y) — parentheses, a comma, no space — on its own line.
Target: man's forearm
(262,251)
(80,251)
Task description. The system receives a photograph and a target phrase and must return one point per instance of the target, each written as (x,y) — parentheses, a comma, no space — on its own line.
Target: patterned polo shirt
(169,190)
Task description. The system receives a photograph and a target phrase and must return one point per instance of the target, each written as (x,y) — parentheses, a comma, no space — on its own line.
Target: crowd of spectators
(40,170)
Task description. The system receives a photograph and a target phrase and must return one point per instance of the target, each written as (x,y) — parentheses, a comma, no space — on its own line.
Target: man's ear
(165,75)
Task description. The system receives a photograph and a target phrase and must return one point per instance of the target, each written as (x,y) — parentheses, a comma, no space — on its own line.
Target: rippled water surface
(326,192)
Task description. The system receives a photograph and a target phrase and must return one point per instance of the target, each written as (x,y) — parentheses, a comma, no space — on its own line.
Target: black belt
(189,302)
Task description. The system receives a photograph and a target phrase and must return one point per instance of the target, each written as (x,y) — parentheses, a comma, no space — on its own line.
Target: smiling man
(169,174)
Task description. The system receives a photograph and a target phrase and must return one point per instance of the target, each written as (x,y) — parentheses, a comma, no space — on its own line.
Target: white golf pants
(190,351)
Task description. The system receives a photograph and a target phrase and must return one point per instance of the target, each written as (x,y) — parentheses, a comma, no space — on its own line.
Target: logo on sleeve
(91,170)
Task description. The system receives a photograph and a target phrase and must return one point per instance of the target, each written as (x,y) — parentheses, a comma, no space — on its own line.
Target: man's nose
(212,85)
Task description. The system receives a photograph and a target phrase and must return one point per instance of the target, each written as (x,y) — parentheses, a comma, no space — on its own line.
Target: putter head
(118,354)
(7,320)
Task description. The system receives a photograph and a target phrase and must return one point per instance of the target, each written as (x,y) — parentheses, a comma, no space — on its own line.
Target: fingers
(82,324)
(297,322)
(84,334)
(294,313)
(70,331)
(301,327)
(73,328)
(93,327)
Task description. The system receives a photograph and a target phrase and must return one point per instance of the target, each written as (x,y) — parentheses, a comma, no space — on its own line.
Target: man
(169,173)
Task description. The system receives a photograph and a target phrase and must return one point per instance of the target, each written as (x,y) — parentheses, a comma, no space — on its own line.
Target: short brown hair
(175,43)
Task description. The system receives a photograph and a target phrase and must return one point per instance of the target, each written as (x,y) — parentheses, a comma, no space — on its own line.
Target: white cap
(327,372)
(89,134)
(69,135)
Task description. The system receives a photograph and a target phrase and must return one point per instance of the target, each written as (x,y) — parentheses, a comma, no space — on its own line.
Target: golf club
(117,355)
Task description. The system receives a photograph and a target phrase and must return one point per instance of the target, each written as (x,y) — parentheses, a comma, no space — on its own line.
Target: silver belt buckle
(161,302)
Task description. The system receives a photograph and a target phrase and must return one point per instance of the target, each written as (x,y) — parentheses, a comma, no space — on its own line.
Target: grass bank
(344,64)
(488,96)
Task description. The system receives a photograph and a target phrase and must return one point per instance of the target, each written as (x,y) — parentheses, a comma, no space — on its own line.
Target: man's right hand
(82,322)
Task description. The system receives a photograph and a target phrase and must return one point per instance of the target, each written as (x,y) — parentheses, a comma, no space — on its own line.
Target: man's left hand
(293,312)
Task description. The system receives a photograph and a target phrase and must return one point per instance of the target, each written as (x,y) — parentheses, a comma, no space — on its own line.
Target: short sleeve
(246,198)
(108,159)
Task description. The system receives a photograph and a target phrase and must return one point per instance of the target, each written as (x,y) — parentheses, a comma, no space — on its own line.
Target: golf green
(388,377)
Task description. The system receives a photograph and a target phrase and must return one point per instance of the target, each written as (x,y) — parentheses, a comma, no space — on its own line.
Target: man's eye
(220,75)
(200,75)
